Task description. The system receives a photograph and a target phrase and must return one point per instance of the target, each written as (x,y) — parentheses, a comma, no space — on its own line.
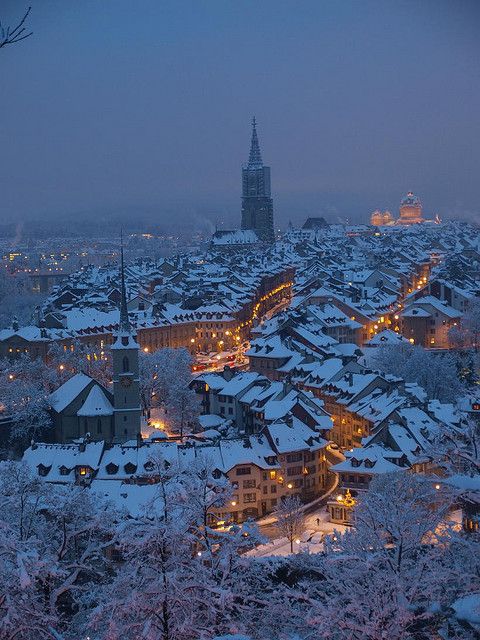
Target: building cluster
(413,281)
(410,213)
(275,446)
(206,303)
(270,429)
(382,422)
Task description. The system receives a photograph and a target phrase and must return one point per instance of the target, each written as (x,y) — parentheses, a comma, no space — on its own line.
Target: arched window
(99,425)
(126,364)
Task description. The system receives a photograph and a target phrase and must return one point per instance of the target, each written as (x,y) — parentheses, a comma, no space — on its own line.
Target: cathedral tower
(257,204)
(126,391)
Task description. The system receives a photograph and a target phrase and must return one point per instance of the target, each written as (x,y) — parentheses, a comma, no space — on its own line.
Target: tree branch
(11,35)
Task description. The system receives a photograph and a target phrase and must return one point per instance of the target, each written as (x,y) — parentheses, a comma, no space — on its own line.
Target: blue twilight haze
(143,108)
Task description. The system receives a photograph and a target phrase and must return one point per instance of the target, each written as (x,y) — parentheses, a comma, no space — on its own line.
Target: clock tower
(126,392)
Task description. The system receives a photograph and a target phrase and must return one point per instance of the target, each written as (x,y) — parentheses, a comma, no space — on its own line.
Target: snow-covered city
(259,429)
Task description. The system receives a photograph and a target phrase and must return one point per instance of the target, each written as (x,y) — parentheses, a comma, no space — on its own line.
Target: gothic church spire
(124,326)
(255,157)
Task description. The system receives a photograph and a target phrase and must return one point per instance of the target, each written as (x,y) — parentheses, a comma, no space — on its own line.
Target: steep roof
(96,404)
(64,395)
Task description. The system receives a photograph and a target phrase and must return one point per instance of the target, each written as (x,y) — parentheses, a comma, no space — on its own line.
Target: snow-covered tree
(175,581)
(457,448)
(437,374)
(162,589)
(164,382)
(149,365)
(161,371)
(182,408)
(24,388)
(290,519)
(470,323)
(393,576)
(78,358)
(51,553)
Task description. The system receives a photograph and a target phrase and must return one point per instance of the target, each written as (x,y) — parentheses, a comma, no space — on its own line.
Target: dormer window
(83,471)
(111,468)
(369,464)
(130,468)
(355,462)
(64,471)
(43,470)
(148,466)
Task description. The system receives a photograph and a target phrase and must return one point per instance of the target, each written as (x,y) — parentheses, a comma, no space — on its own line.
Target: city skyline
(145,113)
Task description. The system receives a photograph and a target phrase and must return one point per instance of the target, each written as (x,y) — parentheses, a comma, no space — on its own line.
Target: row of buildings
(206,303)
(415,281)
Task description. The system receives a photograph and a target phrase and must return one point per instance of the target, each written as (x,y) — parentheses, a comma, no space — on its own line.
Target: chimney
(15,323)
(228,373)
(350,379)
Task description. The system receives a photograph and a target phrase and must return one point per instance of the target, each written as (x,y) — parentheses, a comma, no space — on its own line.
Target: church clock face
(126,381)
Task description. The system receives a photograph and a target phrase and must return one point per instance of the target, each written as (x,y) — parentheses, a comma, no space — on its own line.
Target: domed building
(376,219)
(410,210)
(379,219)
(387,218)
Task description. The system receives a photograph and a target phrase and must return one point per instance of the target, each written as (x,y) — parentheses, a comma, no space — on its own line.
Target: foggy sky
(143,107)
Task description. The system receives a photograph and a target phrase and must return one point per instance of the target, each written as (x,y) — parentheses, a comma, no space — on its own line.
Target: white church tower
(126,392)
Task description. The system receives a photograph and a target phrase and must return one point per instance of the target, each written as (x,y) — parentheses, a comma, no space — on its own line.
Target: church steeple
(126,390)
(124,326)
(255,157)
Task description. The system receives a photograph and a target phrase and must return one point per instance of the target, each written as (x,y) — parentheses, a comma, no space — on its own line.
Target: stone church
(82,406)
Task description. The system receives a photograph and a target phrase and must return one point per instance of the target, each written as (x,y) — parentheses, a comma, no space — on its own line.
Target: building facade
(410,210)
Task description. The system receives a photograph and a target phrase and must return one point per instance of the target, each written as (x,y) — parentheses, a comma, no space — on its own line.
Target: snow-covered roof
(96,404)
(64,395)
(55,456)
(387,336)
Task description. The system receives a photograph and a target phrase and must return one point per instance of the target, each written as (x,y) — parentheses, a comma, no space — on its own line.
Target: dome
(387,217)
(410,210)
(376,218)
(411,200)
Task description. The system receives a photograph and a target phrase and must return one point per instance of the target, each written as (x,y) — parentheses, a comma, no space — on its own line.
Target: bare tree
(11,35)
(290,520)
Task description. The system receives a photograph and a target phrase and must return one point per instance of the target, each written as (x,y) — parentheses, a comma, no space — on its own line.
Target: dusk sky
(143,107)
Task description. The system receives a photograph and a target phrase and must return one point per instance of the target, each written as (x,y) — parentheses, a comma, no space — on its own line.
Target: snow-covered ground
(317,526)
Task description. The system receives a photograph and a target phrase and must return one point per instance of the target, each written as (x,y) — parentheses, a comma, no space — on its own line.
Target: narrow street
(312,510)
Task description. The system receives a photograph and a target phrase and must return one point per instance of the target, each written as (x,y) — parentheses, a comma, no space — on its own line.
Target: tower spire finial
(255,157)
(124,321)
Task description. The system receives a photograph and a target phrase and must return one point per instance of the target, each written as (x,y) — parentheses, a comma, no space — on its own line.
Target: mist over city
(239,320)
(141,111)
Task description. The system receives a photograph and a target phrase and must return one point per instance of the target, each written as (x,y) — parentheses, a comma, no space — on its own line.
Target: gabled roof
(96,404)
(66,394)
